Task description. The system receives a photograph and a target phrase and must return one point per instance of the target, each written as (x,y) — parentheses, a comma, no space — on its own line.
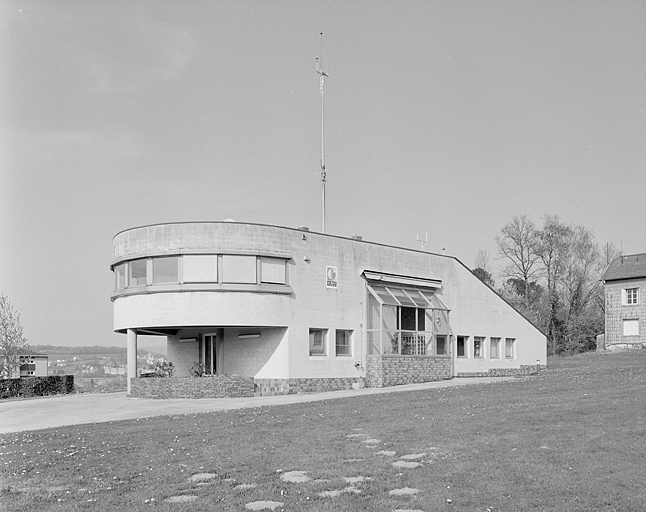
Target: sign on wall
(331,277)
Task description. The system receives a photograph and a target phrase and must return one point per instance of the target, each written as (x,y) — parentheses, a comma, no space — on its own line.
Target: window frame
(465,346)
(120,276)
(347,338)
(236,273)
(494,342)
(323,351)
(631,322)
(162,260)
(201,268)
(130,270)
(479,347)
(510,348)
(445,352)
(266,264)
(630,296)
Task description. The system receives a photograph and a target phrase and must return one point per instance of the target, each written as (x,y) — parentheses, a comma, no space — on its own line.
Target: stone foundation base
(213,386)
(271,387)
(234,386)
(625,346)
(384,371)
(505,372)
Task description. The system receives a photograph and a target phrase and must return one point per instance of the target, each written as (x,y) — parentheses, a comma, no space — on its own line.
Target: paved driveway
(49,412)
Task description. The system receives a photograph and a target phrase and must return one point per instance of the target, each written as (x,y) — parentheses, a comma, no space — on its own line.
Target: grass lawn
(573,438)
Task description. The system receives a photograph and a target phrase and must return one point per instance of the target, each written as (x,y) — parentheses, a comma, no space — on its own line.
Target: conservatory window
(403,321)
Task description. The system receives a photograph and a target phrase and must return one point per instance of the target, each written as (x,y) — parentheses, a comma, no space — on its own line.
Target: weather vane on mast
(322,74)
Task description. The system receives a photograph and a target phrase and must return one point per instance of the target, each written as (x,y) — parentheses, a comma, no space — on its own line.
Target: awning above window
(402,281)
(407,297)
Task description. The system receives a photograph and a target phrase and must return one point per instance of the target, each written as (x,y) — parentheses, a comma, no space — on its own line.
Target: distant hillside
(95,349)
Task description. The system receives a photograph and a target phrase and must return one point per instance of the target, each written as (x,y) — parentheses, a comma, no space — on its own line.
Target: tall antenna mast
(322,74)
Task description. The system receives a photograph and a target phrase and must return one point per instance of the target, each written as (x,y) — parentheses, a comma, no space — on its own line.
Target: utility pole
(322,75)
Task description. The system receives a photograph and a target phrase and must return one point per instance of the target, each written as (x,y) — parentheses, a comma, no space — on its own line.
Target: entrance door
(208,353)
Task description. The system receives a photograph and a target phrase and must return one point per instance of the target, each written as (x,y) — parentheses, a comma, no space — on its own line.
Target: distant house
(33,366)
(625,285)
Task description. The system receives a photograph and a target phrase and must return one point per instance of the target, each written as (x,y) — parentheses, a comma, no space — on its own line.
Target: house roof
(628,266)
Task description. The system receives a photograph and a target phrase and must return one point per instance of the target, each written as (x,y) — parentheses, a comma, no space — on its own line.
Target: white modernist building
(295,310)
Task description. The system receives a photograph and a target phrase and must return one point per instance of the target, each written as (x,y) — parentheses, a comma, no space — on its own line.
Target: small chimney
(303,228)
(357,237)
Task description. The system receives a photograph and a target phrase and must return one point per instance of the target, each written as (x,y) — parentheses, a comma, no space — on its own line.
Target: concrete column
(131,356)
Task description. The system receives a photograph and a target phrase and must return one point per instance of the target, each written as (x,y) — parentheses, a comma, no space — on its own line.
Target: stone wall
(383,371)
(506,372)
(215,386)
(271,387)
(233,386)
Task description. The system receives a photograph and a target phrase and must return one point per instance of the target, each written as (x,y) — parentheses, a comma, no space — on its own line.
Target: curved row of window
(200,268)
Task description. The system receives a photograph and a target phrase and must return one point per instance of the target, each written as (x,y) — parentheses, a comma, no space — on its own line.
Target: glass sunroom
(406,317)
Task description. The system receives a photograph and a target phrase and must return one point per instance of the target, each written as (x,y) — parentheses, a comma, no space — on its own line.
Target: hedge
(37,386)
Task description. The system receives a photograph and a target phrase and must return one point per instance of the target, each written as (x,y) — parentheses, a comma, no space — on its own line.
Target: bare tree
(12,342)
(482,270)
(581,272)
(517,245)
(482,260)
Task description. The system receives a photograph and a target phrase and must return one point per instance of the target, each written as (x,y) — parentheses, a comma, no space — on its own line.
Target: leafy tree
(553,249)
(484,276)
(12,342)
(552,276)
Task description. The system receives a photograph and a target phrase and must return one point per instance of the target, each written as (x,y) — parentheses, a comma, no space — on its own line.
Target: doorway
(208,353)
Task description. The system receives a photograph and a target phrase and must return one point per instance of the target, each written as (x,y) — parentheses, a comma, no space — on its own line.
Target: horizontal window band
(211,252)
(277,289)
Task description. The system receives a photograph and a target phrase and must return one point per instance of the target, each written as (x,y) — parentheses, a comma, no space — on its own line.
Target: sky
(443,119)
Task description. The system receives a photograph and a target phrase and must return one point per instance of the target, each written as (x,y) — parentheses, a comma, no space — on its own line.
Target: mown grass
(573,438)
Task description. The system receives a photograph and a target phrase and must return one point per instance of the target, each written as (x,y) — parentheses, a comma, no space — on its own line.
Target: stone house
(624,285)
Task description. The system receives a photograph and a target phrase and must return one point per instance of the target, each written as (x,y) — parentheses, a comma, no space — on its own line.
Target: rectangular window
(478,346)
(343,343)
(318,341)
(137,274)
(165,270)
(273,270)
(200,268)
(631,327)
(631,296)
(494,348)
(120,276)
(462,346)
(238,269)
(510,348)
(441,347)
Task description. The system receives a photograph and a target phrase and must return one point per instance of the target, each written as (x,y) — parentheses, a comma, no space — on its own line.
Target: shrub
(37,386)
(164,369)
(197,369)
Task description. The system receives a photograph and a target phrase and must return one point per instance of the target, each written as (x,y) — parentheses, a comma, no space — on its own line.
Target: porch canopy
(405,316)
